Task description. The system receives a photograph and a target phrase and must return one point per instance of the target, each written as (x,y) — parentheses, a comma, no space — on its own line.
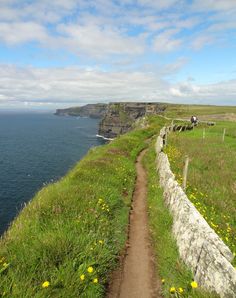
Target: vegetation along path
(136,277)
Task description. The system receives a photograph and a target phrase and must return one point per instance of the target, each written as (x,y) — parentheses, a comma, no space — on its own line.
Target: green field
(175,111)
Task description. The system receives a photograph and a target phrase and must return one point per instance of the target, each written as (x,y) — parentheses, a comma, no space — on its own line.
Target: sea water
(36,149)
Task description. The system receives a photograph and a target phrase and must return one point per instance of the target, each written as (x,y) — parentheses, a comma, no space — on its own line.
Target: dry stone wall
(199,246)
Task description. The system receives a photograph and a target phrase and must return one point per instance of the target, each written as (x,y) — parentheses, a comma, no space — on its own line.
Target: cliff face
(90,110)
(120,117)
(117,118)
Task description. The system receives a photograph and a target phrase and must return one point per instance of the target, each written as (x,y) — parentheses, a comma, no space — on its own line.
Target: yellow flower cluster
(4,264)
(173,290)
(90,271)
(2,259)
(220,223)
(103,205)
(179,291)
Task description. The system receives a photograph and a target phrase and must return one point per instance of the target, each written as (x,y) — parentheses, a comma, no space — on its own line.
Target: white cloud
(39,10)
(201,41)
(214,5)
(165,42)
(119,33)
(160,4)
(73,86)
(98,41)
(15,33)
(220,93)
(102,27)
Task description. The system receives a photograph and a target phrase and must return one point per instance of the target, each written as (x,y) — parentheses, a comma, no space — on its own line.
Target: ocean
(36,149)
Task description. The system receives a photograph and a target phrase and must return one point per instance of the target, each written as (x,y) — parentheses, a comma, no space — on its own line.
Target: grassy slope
(211,178)
(76,223)
(80,222)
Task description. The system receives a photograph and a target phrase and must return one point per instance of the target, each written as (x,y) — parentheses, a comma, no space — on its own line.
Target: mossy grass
(174,274)
(211,180)
(66,241)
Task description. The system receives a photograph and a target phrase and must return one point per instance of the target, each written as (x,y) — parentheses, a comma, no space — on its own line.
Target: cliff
(90,110)
(117,118)
(120,117)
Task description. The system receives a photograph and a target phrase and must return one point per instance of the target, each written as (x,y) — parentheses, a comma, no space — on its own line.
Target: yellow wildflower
(90,269)
(172,290)
(194,284)
(163,280)
(100,241)
(46,284)
(2,259)
(82,277)
(95,280)
(180,290)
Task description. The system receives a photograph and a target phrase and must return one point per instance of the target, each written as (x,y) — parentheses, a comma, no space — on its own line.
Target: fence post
(172,125)
(223,137)
(185,173)
(204,133)
(166,136)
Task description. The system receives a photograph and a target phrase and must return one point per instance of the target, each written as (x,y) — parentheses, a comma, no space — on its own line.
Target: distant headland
(116,118)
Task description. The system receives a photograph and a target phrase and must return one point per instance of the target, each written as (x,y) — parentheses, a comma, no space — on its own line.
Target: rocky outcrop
(199,246)
(90,110)
(120,117)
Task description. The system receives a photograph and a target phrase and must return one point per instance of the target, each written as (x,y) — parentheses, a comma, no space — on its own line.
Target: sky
(63,53)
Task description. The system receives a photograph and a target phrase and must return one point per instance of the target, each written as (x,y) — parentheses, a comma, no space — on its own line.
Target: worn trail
(136,277)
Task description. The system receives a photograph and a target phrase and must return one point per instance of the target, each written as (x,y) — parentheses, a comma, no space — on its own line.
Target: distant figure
(194,120)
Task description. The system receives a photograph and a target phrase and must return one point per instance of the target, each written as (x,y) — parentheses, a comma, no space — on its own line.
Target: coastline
(34,167)
(104,138)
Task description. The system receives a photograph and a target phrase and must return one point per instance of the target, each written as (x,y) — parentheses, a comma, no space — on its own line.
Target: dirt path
(136,277)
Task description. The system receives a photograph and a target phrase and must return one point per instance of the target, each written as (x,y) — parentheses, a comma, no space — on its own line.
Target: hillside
(72,235)
(90,110)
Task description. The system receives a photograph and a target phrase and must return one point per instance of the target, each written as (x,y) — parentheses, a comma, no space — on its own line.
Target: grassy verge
(66,240)
(174,274)
(211,179)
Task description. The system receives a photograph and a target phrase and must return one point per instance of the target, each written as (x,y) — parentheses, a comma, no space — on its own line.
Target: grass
(172,271)
(65,242)
(211,180)
(175,111)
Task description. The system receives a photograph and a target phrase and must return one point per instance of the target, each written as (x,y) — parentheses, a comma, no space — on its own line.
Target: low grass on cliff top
(178,110)
(211,177)
(65,242)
